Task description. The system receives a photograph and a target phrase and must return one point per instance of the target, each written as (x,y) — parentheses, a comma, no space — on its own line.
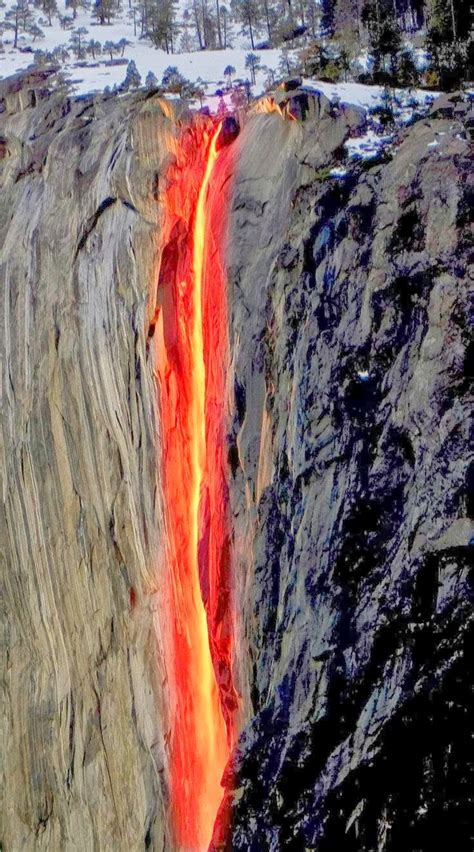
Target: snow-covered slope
(365,96)
(207,64)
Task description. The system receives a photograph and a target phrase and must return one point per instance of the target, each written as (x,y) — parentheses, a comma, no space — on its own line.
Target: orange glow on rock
(192,356)
(268,104)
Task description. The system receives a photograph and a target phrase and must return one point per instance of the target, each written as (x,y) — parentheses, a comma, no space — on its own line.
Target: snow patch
(338,172)
(369,97)
(366,147)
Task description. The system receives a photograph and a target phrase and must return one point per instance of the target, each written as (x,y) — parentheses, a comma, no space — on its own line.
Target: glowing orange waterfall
(192,355)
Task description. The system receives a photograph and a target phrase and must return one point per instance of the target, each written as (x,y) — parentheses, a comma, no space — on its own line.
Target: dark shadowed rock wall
(353,494)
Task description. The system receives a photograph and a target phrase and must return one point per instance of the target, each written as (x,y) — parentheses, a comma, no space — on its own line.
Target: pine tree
(161,23)
(105,10)
(79,4)
(36,32)
(448,20)
(224,15)
(187,42)
(61,53)
(66,22)
(410,14)
(252,63)
(18,18)
(77,41)
(94,48)
(151,81)
(229,73)
(110,47)
(288,64)
(269,16)
(173,80)
(132,77)
(328,8)
(49,8)
(208,24)
(269,77)
(200,12)
(384,36)
(247,12)
(195,13)
(218,24)
(239,99)
(348,20)
(73,4)
(313,17)
(313,59)
(448,39)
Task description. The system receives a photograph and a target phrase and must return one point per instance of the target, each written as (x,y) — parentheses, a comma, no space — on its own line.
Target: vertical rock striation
(80,514)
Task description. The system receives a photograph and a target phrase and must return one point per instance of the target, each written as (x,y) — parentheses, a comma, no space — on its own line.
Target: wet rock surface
(351,481)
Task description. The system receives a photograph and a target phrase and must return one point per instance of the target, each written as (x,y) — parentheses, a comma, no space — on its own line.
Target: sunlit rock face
(349,482)
(81,510)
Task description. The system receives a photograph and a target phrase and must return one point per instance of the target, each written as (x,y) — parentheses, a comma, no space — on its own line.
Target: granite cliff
(350,473)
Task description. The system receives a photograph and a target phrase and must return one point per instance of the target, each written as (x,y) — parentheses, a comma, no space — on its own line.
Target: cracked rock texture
(353,493)
(351,482)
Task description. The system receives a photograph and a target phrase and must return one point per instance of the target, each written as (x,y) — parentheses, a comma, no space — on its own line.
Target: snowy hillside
(96,73)
(95,55)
